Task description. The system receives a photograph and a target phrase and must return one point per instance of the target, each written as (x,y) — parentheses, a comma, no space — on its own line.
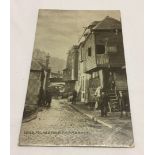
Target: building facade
(37,85)
(70,73)
(83,78)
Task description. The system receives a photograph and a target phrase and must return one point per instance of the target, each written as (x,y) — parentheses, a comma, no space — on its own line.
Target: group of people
(103,100)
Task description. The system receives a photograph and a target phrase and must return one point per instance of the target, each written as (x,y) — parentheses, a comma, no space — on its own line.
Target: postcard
(77,93)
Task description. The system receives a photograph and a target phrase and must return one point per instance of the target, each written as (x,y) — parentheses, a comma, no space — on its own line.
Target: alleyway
(63,125)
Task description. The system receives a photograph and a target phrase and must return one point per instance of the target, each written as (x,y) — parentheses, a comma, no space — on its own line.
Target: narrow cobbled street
(63,125)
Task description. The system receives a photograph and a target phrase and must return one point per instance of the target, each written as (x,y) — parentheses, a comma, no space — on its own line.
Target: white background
(23,25)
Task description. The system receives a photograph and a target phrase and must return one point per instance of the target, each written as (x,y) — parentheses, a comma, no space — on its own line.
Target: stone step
(111,93)
(113,96)
(114,100)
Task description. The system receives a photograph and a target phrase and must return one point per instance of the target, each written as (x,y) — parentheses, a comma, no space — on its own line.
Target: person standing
(122,102)
(104,99)
(113,85)
(97,96)
(74,97)
(48,98)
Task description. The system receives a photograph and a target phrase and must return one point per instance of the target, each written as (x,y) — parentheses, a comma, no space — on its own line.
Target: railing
(102,59)
(121,85)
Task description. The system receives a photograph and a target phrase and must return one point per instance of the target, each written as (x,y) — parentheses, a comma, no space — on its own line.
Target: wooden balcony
(102,59)
(106,60)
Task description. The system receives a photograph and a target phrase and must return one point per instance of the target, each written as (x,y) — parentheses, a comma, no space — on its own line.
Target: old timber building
(100,60)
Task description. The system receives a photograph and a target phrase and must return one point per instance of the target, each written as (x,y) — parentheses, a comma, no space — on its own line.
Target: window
(83,84)
(83,95)
(100,49)
(89,51)
(95,74)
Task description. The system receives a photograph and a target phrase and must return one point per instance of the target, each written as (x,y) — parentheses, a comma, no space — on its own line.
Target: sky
(58,30)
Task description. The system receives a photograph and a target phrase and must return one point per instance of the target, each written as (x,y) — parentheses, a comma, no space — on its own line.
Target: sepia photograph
(77,93)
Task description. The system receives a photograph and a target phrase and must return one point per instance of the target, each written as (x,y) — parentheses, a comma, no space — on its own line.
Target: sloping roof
(108,23)
(93,24)
(35,65)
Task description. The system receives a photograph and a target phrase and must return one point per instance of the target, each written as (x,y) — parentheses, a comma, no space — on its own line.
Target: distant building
(70,73)
(56,80)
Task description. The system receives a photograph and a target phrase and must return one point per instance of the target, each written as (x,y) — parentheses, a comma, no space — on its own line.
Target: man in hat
(123,104)
(74,96)
(104,99)
(48,97)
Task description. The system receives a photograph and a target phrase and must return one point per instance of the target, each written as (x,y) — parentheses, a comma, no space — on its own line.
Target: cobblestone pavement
(112,120)
(64,126)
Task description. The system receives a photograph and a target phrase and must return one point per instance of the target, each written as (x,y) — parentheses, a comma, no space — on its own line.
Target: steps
(114,104)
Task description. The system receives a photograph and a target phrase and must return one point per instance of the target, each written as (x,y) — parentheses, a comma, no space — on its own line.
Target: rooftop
(108,23)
